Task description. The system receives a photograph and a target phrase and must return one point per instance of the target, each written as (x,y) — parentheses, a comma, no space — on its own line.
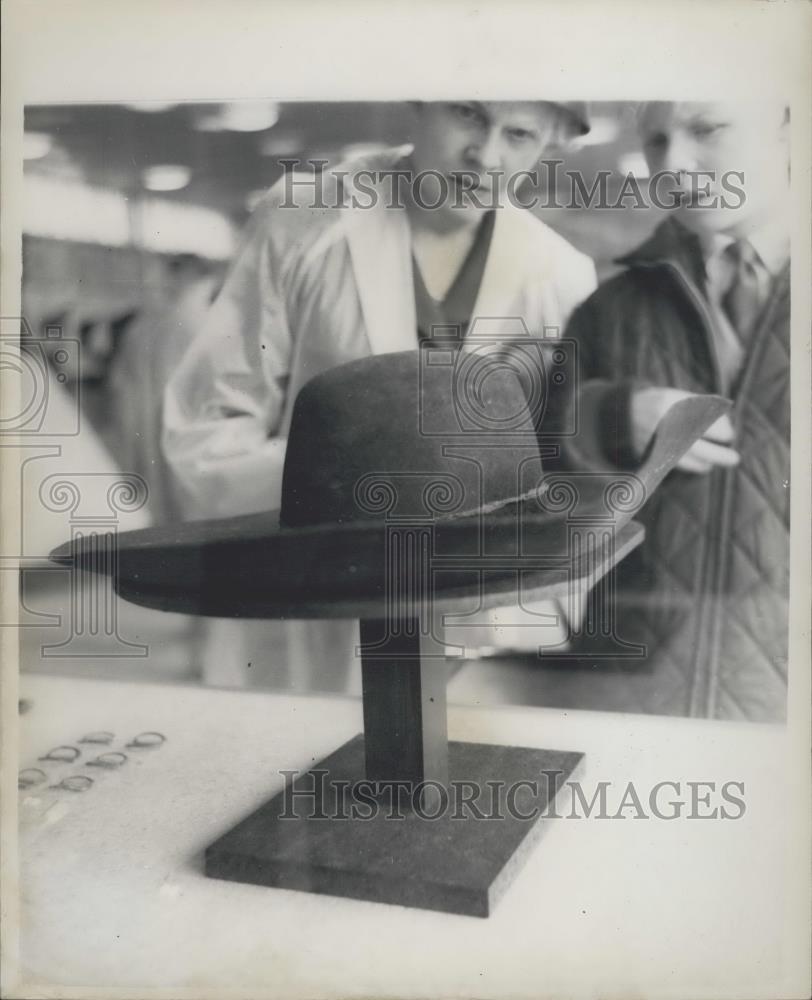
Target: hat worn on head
(577,113)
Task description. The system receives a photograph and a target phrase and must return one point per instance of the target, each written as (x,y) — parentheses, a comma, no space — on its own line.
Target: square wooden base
(330,831)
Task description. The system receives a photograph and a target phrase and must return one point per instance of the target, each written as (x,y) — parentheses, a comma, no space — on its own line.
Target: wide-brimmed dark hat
(420,469)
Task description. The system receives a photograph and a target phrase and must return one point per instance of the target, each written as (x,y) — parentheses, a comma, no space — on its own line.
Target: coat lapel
(501,291)
(670,243)
(380,248)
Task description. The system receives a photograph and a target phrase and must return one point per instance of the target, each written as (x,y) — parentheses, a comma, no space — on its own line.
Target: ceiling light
(64,210)
(282,144)
(252,117)
(178,227)
(241,116)
(151,107)
(361,150)
(166,177)
(36,145)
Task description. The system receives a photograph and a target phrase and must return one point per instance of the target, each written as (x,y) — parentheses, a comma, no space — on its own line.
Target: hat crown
(408,436)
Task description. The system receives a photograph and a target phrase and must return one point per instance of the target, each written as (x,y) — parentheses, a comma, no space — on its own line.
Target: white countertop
(113,892)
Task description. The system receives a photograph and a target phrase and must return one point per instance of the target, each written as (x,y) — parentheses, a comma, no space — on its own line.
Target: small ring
(28,782)
(55,755)
(75,783)
(106,760)
(101,737)
(139,742)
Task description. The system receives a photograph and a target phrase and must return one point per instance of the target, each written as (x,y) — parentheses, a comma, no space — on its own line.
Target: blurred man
(354,262)
(702,307)
(150,350)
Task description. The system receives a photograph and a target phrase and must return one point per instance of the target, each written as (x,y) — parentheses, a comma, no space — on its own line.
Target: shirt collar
(770,241)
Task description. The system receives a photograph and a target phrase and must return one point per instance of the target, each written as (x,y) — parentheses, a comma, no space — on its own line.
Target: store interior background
(113,194)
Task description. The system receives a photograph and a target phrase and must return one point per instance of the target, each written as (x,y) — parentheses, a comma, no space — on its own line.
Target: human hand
(649,406)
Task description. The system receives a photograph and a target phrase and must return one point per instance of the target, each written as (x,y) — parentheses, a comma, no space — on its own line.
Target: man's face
(731,160)
(471,149)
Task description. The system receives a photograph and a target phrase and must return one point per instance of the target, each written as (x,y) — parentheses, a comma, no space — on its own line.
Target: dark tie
(742,301)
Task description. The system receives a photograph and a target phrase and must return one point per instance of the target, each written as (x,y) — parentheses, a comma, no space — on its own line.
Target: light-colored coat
(315,287)
(312,288)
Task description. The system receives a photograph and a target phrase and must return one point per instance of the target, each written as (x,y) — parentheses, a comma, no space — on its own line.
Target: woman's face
(472,149)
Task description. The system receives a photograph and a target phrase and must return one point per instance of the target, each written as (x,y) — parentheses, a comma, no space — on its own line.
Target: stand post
(404,694)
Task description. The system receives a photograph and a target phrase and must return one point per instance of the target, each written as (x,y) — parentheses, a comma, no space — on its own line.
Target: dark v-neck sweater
(451,316)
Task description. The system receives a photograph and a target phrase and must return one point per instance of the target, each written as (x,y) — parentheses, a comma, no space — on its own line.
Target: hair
(639,109)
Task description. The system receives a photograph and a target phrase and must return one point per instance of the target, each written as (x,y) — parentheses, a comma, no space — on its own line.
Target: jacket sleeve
(603,438)
(224,403)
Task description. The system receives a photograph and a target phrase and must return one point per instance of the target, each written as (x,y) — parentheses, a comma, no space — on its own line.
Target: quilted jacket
(707,592)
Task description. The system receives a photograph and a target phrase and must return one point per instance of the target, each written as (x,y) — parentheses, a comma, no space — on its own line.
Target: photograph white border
(85,51)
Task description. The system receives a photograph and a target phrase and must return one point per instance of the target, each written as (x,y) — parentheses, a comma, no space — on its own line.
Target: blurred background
(131,215)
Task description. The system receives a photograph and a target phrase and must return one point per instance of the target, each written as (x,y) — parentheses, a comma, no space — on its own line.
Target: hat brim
(462,591)
(224,567)
(253,567)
